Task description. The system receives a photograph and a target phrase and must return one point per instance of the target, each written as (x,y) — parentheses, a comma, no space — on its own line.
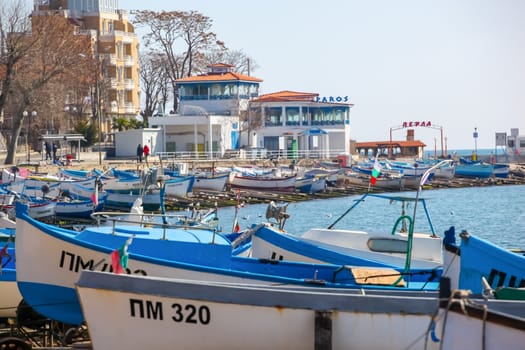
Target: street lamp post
(29,117)
(475,135)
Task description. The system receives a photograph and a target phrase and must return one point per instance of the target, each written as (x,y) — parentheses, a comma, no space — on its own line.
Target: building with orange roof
(222,110)
(301,124)
(405,148)
(209,109)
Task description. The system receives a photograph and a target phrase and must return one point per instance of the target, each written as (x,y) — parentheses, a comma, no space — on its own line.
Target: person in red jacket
(146,153)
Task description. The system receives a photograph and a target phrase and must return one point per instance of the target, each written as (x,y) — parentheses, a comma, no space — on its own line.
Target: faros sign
(338,99)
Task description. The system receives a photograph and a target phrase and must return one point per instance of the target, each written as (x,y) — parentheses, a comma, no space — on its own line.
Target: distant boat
(76,208)
(473,169)
(124,201)
(179,186)
(311,184)
(263,183)
(388,182)
(501,170)
(212,182)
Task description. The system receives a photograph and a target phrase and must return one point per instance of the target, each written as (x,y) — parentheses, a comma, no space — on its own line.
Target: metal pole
(99,136)
(26,115)
(442,151)
(390,146)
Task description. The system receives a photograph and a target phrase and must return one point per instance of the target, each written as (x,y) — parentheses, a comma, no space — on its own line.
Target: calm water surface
(496,213)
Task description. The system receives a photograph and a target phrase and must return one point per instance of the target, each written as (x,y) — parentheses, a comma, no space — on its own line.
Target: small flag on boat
(119,257)
(236,226)
(94,196)
(376,170)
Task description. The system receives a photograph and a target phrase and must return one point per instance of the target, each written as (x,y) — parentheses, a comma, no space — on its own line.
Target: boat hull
(346,247)
(179,312)
(186,253)
(278,184)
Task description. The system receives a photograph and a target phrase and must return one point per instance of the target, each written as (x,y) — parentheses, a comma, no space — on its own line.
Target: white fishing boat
(264,183)
(211,182)
(466,323)
(178,187)
(388,182)
(173,311)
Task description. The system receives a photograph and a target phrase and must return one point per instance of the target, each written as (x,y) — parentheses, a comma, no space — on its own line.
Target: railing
(250,154)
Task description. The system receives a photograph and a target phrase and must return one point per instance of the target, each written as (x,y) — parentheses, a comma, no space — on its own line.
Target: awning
(313,132)
(62,137)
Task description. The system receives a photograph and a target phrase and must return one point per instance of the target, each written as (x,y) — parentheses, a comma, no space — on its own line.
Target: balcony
(109,59)
(129,84)
(129,61)
(130,108)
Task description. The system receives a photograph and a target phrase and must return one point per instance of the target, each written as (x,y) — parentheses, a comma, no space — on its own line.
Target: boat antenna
(423,180)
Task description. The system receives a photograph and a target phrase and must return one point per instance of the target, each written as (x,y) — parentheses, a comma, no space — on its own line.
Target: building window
(272,116)
(292,115)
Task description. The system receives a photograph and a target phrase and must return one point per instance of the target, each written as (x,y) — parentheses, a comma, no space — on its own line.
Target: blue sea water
(496,213)
(466,152)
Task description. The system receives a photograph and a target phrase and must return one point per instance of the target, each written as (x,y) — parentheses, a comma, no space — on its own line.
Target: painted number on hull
(154,310)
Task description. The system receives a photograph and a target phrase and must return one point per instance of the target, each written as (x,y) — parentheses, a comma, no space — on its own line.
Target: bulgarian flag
(376,170)
(119,257)
(94,195)
(236,226)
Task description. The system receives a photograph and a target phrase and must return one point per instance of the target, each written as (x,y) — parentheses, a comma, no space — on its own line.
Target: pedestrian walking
(146,153)
(140,151)
(55,148)
(48,151)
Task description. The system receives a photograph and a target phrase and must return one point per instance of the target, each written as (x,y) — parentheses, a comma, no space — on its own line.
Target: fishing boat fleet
(159,280)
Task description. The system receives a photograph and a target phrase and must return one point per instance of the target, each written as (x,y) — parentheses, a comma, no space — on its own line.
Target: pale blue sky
(457,63)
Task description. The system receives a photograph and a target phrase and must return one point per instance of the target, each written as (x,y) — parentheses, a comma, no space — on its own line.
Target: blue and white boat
(10,295)
(394,243)
(77,208)
(479,265)
(467,168)
(501,170)
(46,281)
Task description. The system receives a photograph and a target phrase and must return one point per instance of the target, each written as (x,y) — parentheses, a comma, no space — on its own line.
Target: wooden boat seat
(383,277)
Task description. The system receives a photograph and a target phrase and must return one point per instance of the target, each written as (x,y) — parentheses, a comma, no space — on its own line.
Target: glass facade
(217,91)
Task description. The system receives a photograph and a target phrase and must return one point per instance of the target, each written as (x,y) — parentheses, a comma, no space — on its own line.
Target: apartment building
(115,44)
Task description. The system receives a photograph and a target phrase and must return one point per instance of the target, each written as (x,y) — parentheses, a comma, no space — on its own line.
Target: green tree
(89,130)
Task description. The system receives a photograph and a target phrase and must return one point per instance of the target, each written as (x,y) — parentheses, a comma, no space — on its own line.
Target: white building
(222,110)
(515,143)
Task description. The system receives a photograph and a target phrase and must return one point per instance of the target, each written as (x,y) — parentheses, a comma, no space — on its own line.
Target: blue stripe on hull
(44,297)
(8,275)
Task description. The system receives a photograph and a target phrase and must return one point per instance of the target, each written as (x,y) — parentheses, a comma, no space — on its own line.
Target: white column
(210,140)
(195,141)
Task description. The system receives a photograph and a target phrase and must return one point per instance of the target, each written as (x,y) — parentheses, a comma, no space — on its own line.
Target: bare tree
(168,31)
(241,62)
(153,81)
(35,61)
